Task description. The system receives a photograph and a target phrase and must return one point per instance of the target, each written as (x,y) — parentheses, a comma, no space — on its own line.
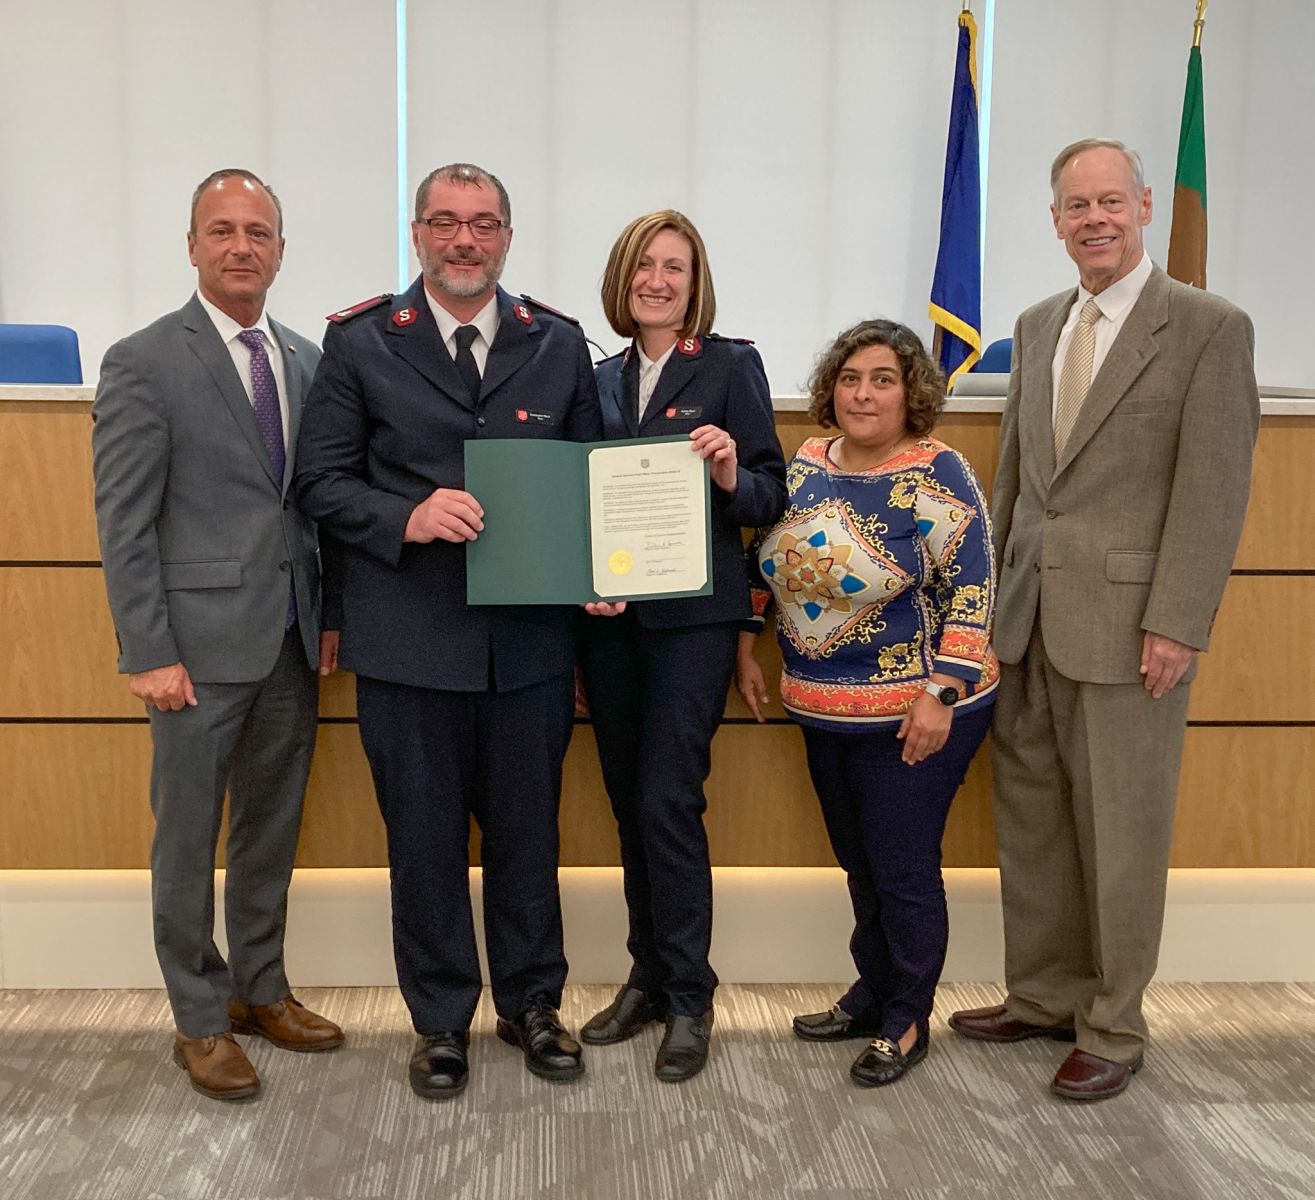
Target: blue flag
(956,288)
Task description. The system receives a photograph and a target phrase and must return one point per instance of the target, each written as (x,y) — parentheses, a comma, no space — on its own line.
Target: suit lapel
(680,370)
(414,337)
(209,347)
(618,394)
(1135,346)
(1037,422)
(513,345)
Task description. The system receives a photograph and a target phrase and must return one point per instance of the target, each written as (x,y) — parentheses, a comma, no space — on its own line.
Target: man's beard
(464,287)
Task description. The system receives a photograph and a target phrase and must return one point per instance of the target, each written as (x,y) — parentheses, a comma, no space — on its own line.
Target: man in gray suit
(214,585)
(1125,463)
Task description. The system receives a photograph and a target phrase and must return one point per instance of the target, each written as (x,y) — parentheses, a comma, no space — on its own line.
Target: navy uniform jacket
(707,381)
(385,424)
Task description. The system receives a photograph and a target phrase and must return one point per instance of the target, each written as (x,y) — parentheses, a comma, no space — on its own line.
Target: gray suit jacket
(199,541)
(1135,527)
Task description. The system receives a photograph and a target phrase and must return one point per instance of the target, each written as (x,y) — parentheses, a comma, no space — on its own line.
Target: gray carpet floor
(92,1108)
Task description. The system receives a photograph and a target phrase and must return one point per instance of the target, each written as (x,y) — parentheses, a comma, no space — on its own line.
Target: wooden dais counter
(75,747)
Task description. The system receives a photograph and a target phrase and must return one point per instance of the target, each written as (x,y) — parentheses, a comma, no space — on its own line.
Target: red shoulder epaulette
(346,314)
(548,308)
(721,337)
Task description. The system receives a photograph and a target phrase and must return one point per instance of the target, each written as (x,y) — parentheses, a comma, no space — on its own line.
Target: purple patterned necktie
(269,420)
(265,400)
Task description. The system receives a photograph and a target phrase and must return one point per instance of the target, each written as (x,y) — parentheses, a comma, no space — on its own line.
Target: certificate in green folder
(573,522)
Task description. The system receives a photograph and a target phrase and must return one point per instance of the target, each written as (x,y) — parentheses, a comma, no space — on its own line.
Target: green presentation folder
(535,546)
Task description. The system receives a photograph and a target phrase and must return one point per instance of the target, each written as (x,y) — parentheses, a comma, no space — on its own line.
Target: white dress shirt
(228,330)
(650,371)
(486,321)
(1115,303)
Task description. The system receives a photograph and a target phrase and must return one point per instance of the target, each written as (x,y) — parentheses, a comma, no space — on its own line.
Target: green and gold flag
(1187,237)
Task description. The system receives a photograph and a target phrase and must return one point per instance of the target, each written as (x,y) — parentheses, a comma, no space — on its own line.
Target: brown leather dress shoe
(994,1024)
(287,1023)
(1084,1076)
(216,1066)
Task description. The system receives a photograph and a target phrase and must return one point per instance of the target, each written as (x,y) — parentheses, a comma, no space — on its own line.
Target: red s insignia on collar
(522,314)
(688,345)
(404,316)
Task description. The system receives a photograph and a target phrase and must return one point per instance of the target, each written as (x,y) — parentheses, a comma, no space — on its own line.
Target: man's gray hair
(233,173)
(466,174)
(1131,157)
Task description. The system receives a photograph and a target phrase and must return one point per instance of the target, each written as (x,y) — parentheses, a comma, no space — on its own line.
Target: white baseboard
(92,929)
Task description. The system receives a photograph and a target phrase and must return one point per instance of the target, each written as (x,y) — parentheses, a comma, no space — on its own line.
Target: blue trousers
(656,697)
(885,820)
(438,757)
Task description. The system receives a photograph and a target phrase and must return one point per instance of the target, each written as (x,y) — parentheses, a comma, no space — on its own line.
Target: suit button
(480,421)
(285,565)
(1051,514)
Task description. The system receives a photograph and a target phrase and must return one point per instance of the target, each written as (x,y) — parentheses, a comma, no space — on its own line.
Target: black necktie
(467,368)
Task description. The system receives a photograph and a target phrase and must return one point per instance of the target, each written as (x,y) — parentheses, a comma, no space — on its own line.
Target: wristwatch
(945,694)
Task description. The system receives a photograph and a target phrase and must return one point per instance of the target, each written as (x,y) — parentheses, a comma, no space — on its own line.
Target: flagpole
(1197,25)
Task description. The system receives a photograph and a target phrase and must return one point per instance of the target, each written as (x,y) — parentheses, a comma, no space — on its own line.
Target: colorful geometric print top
(879,578)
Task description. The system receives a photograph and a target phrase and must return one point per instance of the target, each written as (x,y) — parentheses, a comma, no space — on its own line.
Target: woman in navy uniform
(657,676)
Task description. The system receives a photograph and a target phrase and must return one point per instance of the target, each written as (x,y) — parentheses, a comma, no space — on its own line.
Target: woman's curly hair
(924,385)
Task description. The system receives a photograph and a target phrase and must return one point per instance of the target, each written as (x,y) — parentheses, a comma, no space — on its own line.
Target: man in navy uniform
(462,710)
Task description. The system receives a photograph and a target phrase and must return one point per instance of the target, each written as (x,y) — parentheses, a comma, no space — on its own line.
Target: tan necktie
(1075,377)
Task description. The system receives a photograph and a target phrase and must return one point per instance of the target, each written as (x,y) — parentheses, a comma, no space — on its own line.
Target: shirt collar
(646,363)
(228,329)
(1121,295)
(486,320)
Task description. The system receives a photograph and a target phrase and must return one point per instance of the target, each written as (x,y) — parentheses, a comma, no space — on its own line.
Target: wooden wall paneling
(62,656)
(338,695)
(1262,631)
(47,510)
(74,796)
(341,826)
(1246,798)
(1279,533)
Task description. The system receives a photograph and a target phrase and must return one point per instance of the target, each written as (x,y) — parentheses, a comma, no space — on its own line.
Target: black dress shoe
(884,1062)
(550,1052)
(684,1050)
(438,1068)
(623,1018)
(833,1026)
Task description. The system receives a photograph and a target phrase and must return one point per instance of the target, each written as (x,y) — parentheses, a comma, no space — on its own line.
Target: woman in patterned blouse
(883,582)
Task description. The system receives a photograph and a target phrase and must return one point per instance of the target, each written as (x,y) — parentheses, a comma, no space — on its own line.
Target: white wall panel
(807,142)
(1066,69)
(111,113)
(796,138)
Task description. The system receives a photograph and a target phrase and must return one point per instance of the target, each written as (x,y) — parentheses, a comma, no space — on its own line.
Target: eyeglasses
(482,229)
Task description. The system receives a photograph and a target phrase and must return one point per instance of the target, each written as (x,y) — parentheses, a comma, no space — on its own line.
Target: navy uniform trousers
(656,697)
(885,820)
(438,757)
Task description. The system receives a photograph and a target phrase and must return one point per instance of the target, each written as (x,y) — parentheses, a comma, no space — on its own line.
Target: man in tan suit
(1125,463)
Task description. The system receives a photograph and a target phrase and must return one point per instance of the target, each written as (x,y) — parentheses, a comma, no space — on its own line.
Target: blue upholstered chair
(39,354)
(995,359)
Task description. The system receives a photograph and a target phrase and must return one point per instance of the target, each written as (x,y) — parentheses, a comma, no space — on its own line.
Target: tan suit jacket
(1135,527)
